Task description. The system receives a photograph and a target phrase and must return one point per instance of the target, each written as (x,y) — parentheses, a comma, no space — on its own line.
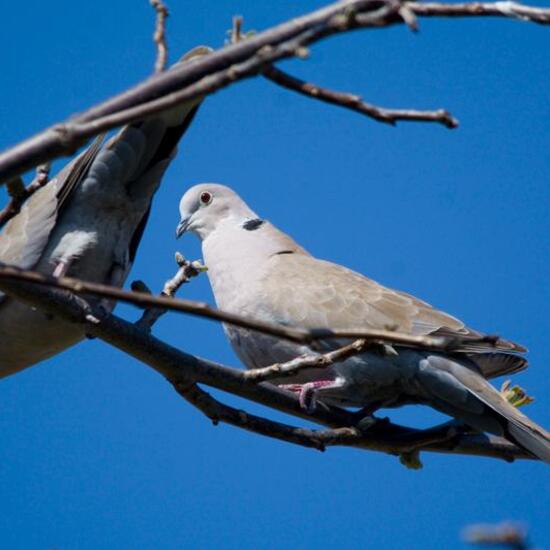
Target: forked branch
(237,61)
(179,367)
(355,103)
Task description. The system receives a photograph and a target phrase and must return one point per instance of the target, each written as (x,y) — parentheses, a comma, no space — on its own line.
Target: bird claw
(308,393)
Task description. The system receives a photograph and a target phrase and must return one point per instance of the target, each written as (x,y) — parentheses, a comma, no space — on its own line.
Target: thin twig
(236,30)
(235,62)
(355,103)
(201,309)
(159,36)
(305,362)
(19,194)
(186,271)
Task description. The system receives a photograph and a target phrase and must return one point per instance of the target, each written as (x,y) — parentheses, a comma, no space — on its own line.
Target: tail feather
(532,440)
(516,426)
(498,364)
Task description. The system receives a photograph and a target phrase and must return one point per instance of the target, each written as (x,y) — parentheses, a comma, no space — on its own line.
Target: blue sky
(99,452)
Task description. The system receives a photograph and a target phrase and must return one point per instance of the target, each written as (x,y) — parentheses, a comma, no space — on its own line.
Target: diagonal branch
(235,62)
(178,366)
(219,412)
(355,103)
(304,362)
(512,10)
(201,309)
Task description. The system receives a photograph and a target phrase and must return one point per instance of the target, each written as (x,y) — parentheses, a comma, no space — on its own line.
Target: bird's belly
(370,378)
(375,378)
(49,336)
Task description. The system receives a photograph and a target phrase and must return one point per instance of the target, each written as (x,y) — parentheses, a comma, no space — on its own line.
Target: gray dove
(86,223)
(257,271)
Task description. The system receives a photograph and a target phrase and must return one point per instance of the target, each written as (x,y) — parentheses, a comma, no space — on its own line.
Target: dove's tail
(460,391)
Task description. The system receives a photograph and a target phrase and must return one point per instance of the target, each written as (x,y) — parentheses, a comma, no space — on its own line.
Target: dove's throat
(237,258)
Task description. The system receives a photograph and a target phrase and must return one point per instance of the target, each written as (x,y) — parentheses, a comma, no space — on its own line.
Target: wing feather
(26,234)
(314,293)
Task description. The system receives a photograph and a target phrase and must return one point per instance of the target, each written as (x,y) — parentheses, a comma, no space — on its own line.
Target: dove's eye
(206,198)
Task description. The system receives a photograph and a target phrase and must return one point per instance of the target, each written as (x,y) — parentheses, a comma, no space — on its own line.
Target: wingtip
(515,347)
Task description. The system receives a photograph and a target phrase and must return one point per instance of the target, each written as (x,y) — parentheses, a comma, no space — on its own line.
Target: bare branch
(512,10)
(186,271)
(219,412)
(355,103)
(20,194)
(178,366)
(235,62)
(159,36)
(201,309)
(304,362)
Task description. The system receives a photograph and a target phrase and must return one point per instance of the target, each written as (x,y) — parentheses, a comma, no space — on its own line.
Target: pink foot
(60,269)
(307,393)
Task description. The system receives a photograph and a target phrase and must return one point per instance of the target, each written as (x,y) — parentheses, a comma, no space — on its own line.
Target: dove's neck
(237,253)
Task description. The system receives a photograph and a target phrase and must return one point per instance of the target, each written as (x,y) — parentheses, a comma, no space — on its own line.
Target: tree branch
(159,36)
(235,62)
(304,362)
(355,103)
(19,197)
(186,271)
(219,412)
(513,10)
(178,366)
(201,309)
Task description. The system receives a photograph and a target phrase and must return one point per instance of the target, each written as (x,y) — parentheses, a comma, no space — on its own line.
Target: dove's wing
(26,235)
(304,291)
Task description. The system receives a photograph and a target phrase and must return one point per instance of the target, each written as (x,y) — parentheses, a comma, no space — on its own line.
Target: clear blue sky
(97,451)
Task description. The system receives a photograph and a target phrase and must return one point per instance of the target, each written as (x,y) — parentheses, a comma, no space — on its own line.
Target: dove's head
(205,206)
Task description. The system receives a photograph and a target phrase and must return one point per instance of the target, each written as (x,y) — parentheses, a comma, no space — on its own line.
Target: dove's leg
(61,268)
(309,392)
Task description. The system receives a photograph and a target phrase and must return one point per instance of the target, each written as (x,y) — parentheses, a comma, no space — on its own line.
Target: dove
(257,271)
(86,223)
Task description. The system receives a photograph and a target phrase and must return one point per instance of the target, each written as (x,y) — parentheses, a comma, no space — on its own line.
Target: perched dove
(257,271)
(86,223)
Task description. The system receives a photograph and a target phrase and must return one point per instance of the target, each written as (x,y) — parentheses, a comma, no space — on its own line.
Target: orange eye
(206,197)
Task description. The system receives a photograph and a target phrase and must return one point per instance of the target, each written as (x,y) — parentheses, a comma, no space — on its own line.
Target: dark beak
(182,227)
